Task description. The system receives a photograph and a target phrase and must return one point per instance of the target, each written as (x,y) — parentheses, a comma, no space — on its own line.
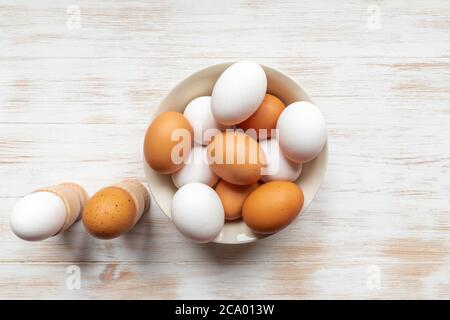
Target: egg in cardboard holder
(201,84)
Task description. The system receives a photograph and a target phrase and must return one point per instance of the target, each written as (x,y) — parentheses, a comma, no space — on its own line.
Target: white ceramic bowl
(201,83)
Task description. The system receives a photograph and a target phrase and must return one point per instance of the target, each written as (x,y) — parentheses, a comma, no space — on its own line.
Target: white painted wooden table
(75,100)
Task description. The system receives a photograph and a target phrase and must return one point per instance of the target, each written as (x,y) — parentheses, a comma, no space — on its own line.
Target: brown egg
(233,197)
(114,210)
(272,206)
(109,213)
(265,117)
(165,147)
(236,157)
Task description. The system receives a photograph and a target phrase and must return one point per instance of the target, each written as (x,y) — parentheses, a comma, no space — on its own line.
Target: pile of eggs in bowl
(235,155)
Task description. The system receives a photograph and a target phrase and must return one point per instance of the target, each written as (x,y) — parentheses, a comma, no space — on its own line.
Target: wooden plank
(335,229)
(219,281)
(241,29)
(128,90)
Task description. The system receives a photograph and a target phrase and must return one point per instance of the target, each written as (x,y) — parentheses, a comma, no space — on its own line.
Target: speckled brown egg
(168,142)
(236,157)
(265,118)
(232,197)
(110,213)
(272,206)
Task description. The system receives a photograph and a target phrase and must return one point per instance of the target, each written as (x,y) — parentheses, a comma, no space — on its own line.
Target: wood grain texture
(75,103)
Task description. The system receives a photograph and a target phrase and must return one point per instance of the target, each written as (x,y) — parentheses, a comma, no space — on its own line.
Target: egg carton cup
(81,192)
(138,193)
(74,197)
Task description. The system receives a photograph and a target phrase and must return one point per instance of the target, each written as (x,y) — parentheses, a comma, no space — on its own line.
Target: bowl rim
(225,64)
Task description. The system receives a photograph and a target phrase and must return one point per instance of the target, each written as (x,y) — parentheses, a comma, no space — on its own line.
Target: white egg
(278,166)
(199,114)
(302,131)
(38,216)
(238,92)
(197,212)
(196,169)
